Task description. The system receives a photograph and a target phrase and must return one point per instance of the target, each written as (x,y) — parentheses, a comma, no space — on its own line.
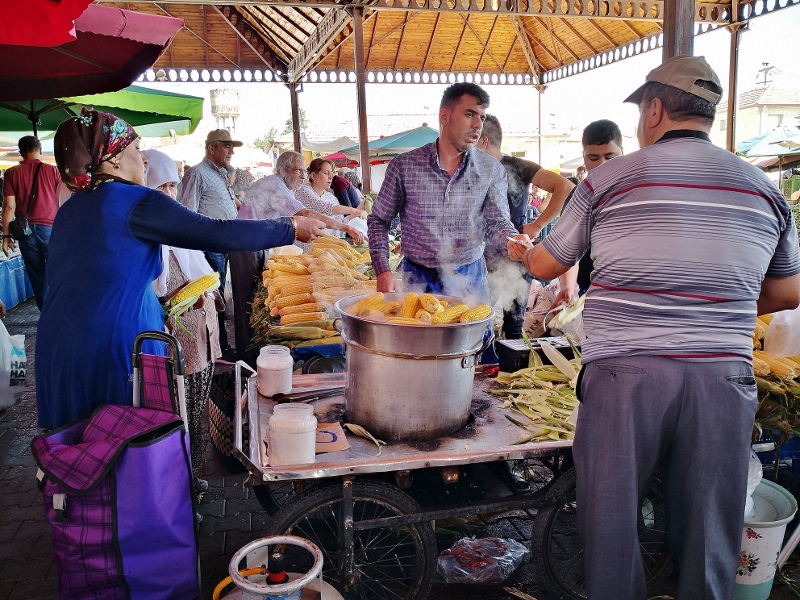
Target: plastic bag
(486,560)
(782,337)
(13,364)
(540,300)
(754,474)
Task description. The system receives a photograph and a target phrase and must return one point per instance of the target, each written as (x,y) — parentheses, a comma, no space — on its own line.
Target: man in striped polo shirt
(689,243)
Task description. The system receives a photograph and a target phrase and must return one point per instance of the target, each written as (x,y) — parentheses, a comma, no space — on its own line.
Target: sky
(568,104)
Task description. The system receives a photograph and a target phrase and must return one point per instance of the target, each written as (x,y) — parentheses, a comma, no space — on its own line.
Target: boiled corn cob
(423,315)
(405,321)
(760,367)
(777,366)
(449,315)
(430,303)
(767,319)
(304,287)
(193,289)
(371,301)
(284,301)
(388,307)
(476,314)
(297,269)
(410,305)
(308,307)
(303,317)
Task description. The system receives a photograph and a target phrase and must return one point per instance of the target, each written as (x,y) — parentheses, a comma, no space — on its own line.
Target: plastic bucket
(762,538)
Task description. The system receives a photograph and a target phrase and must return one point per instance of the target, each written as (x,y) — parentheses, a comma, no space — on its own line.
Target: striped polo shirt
(682,234)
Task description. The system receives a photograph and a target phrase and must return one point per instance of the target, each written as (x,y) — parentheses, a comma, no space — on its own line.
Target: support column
(678,28)
(736,30)
(293,91)
(540,88)
(361,96)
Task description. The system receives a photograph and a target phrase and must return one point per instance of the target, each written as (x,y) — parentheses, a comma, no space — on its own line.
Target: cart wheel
(393,562)
(557,553)
(272,496)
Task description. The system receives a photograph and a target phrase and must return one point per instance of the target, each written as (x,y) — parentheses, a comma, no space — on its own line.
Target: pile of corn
(296,298)
(778,409)
(542,398)
(416,309)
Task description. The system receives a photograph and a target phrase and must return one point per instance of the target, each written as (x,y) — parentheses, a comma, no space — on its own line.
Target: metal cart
(374,516)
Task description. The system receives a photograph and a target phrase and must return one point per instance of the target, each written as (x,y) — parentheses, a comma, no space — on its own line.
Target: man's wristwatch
(294,226)
(8,237)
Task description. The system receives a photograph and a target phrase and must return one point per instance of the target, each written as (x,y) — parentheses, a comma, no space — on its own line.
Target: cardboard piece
(331,438)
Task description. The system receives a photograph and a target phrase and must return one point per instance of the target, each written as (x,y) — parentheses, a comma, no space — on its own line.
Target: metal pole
(540,88)
(33,117)
(295,115)
(736,29)
(361,96)
(678,28)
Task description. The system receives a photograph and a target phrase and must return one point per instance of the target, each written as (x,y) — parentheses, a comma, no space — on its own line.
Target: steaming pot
(409,382)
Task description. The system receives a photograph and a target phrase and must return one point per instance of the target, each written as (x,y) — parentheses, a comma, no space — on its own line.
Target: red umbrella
(113,47)
(40,22)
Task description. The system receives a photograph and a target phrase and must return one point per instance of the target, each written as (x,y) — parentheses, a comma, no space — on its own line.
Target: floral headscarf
(83,142)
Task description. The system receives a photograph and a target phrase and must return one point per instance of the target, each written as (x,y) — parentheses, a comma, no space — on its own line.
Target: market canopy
(113,47)
(781,141)
(398,143)
(40,22)
(151,112)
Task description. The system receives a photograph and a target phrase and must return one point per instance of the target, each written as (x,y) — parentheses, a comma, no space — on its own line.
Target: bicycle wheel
(557,552)
(273,495)
(391,563)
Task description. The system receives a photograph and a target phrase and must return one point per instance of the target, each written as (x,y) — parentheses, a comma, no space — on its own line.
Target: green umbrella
(781,141)
(151,112)
(393,145)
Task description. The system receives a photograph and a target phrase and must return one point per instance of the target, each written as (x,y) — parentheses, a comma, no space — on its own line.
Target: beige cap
(682,72)
(221,135)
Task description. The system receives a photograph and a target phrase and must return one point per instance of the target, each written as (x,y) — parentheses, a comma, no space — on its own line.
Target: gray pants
(689,421)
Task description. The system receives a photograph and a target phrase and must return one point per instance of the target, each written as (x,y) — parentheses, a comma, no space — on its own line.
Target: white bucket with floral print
(762,538)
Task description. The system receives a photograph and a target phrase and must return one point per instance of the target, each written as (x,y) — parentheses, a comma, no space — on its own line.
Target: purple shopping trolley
(118,492)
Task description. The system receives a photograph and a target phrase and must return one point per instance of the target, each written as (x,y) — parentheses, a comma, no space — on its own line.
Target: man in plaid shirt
(451,199)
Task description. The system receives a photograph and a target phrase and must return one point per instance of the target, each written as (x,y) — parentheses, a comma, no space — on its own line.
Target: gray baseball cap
(682,72)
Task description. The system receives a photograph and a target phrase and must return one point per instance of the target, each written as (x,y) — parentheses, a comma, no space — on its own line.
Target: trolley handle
(160,336)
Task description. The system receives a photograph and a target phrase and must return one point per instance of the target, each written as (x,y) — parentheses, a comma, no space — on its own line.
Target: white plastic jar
(274,368)
(292,435)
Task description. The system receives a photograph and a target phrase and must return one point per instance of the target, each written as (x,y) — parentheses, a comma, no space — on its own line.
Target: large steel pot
(409,382)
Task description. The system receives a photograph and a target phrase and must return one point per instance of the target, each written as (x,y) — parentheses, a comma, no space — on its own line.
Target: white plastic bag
(754,474)
(12,367)
(783,334)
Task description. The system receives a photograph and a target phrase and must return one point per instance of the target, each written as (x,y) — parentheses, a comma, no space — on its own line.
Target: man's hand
(308,229)
(565,297)
(8,246)
(358,214)
(358,236)
(532,230)
(516,250)
(387,282)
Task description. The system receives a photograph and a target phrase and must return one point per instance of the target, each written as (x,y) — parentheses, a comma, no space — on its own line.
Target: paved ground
(232,516)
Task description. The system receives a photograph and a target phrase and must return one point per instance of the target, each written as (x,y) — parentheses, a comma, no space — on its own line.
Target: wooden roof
(489,41)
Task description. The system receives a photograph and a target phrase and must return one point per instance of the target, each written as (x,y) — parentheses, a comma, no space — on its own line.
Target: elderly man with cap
(689,244)
(206,191)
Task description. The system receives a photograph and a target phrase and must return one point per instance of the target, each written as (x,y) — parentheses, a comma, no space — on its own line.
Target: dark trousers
(35,250)
(689,421)
(246,269)
(219,262)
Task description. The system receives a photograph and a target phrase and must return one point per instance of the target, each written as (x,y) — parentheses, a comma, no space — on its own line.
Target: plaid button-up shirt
(205,190)
(444,220)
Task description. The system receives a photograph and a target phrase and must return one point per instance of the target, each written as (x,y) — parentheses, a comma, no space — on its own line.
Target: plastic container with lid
(274,368)
(292,435)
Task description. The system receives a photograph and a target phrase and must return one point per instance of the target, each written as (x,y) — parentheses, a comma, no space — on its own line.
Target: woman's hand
(354,233)
(358,214)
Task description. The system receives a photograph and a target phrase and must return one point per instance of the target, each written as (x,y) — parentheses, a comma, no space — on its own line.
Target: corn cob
(304,287)
(195,288)
(388,307)
(449,315)
(284,301)
(307,307)
(297,269)
(760,329)
(760,367)
(430,303)
(410,305)
(423,315)
(294,332)
(767,319)
(476,314)
(330,239)
(405,321)
(365,259)
(303,317)
(370,301)
(777,366)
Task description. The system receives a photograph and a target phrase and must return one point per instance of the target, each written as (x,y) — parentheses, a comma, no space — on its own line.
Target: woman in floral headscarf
(104,254)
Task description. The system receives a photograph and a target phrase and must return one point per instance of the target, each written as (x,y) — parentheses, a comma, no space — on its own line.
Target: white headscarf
(162,169)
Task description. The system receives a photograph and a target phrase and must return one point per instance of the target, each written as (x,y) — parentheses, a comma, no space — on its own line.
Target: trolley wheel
(557,552)
(392,562)
(272,496)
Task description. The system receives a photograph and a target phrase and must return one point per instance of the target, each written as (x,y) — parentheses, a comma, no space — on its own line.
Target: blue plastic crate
(788,451)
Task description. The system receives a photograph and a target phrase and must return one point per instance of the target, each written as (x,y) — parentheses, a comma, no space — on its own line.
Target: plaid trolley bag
(118,492)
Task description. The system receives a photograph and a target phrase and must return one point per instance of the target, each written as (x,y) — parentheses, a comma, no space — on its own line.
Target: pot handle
(468,362)
(338,324)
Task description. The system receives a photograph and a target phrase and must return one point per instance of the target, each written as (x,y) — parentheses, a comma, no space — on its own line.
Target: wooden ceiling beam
(458,46)
(630,28)
(430,44)
(485,47)
(326,32)
(557,41)
(368,49)
(400,43)
(577,34)
(524,42)
(603,34)
(542,46)
(280,26)
(250,36)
